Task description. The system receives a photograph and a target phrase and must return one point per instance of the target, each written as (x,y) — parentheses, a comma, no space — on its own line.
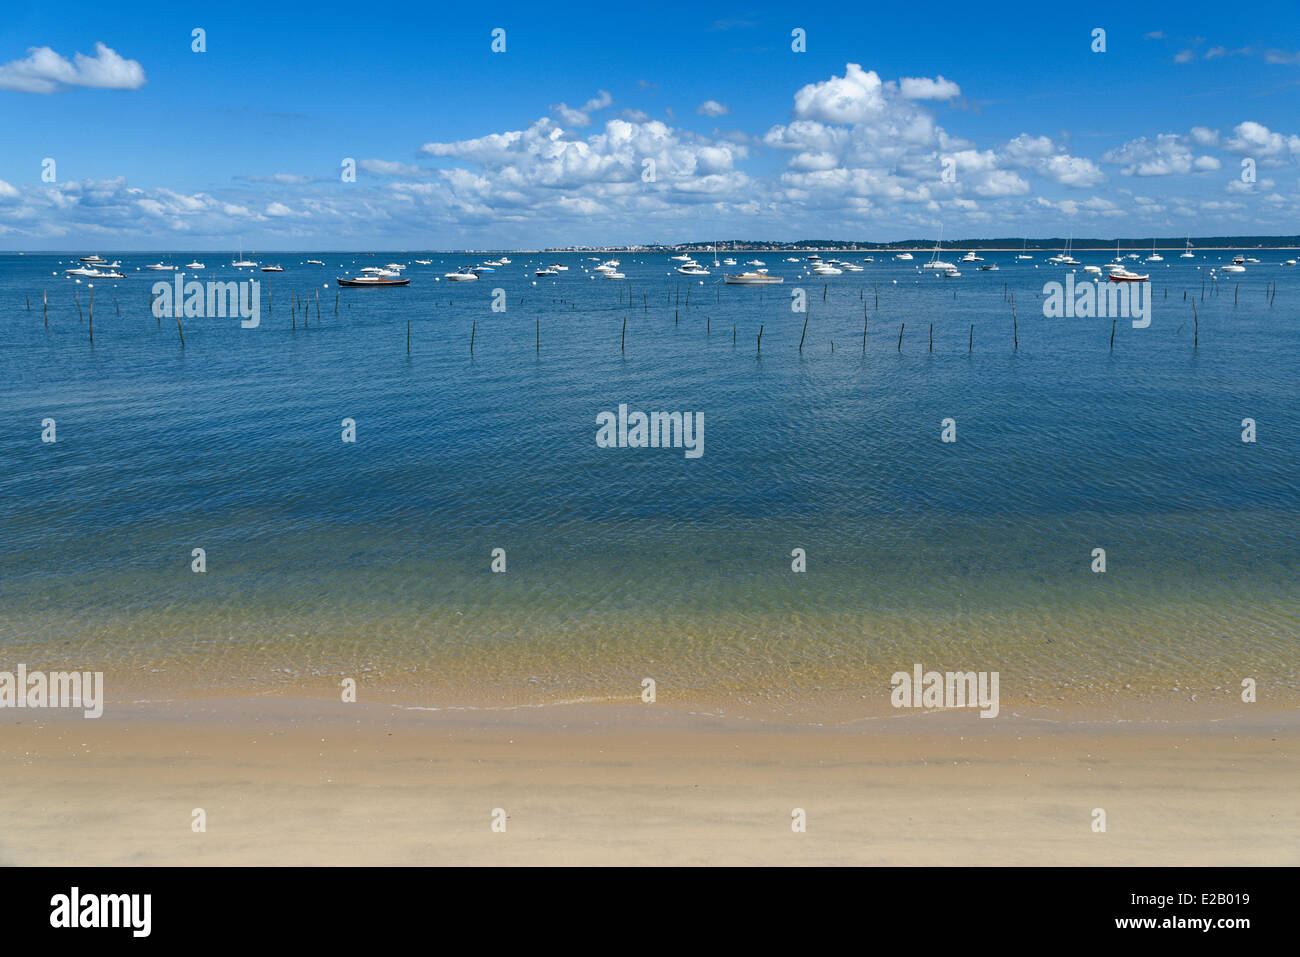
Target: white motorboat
(756,278)
(546,272)
(951,273)
(826,269)
(614,275)
(732,262)
(756,262)
(160,267)
(317,262)
(272,269)
(460,275)
(692,269)
(904,257)
(1234,268)
(1120,274)
(970,257)
(195,265)
(1096,270)
(683,258)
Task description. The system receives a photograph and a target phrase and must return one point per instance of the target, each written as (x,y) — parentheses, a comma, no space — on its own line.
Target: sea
(912,469)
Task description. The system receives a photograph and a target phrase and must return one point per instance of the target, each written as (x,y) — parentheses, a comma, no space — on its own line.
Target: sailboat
(1188,254)
(1063,257)
(1155,257)
(1024,252)
(241,262)
(937,263)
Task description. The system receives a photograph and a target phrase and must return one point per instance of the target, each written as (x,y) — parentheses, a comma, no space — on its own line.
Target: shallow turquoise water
(327,558)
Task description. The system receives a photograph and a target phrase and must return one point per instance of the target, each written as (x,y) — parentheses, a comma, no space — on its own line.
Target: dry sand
(312,782)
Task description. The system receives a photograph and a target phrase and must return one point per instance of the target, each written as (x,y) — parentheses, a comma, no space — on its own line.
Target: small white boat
(1234,268)
(951,273)
(241,262)
(935,262)
(482,269)
(504,261)
(461,275)
(195,265)
(614,275)
(317,262)
(827,270)
(418,262)
(546,272)
(94,260)
(993,267)
(789,259)
(1155,257)
(160,267)
(1120,274)
(272,269)
(756,278)
(683,258)
(558,267)
(970,257)
(904,257)
(851,267)
(692,269)
(756,262)
(1092,269)
(1188,254)
(732,262)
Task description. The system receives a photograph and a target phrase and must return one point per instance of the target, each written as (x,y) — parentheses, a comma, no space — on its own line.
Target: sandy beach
(286,781)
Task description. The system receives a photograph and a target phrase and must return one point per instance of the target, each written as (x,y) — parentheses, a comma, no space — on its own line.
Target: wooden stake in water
(932,337)
(408,337)
(864,330)
(970,346)
(473,331)
(181,331)
(805,332)
(76,294)
(29,302)
(1112,335)
(1196,328)
(901,327)
(622,343)
(92,315)
(45,306)
(760,340)
(317,303)
(539,335)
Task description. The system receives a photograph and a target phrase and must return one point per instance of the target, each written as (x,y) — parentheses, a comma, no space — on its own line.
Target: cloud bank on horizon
(851,155)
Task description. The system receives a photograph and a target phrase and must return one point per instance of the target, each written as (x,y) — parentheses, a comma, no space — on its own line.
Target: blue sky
(992,120)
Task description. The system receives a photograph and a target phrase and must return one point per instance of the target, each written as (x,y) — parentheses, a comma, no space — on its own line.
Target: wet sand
(294,781)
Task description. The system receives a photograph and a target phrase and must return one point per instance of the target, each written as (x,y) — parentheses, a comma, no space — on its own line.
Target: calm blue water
(327,558)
